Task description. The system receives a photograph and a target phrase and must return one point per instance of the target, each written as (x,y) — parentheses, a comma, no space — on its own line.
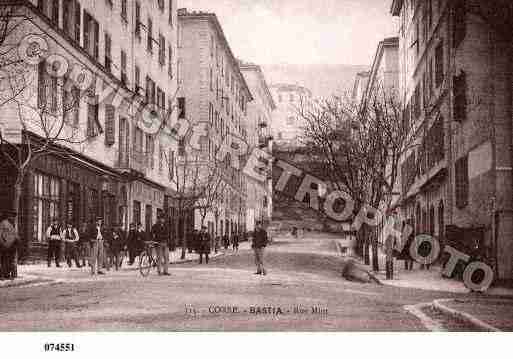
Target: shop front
(68,188)
(146,202)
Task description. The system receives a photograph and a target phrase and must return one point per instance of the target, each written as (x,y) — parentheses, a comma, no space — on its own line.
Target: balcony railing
(135,161)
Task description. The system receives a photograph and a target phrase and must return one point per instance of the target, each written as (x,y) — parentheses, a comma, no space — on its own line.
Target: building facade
(113,168)
(384,73)
(286,127)
(258,129)
(214,93)
(359,86)
(455,82)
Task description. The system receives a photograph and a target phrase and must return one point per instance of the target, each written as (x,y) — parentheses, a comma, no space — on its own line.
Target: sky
(302,31)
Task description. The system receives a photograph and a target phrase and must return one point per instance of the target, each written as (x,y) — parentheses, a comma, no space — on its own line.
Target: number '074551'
(60,347)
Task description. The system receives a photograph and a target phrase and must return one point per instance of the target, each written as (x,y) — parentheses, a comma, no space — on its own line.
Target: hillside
(322,80)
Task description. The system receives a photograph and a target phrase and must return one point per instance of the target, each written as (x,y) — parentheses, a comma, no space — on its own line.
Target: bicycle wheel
(144,264)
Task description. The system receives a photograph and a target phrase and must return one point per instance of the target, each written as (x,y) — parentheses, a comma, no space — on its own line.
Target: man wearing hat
(53,236)
(203,244)
(8,244)
(259,243)
(70,237)
(116,245)
(161,234)
(97,235)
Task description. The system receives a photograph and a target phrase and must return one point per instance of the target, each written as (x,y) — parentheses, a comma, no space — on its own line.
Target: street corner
(493,314)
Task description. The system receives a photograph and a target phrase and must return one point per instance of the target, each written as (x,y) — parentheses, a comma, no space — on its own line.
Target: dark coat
(92,232)
(135,241)
(160,233)
(260,239)
(203,242)
(117,240)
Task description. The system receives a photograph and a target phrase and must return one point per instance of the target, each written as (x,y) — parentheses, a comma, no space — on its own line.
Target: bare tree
(40,111)
(362,145)
(200,180)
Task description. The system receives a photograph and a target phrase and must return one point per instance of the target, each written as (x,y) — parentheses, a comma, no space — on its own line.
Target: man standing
(235,241)
(84,245)
(53,235)
(132,244)
(226,241)
(116,245)
(160,234)
(259,243)
(8,244)
(97,236)
(203,244)
(70,237)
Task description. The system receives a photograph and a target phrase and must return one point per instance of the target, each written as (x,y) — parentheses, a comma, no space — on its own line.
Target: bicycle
(147,258)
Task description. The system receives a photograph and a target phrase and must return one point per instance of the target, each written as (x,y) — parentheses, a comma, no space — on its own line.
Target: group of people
(99,246)
(203,241)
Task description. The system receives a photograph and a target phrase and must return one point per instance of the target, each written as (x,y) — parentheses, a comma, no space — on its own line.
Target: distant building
(286,127)
(360,84)
(384,73)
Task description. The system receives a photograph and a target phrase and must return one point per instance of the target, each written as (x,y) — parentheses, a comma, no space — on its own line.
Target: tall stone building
(214,92)
(455,80)
(286,127)
(128,48)
(258,128)
(359,86)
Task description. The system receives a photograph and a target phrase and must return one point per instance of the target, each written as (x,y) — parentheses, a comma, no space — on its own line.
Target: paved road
(303,273)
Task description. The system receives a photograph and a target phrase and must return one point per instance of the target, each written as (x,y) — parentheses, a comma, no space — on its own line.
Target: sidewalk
(493,312)
(23,280)
(425,279)
(39,274)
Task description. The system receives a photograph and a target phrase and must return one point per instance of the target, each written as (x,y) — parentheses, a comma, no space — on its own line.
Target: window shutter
(459,22)
(86,31)
(137,19)
(127,142)
(110,125)
(170,62)
(42,86)
(96,39)
(181,107)
(462,183)
(161,157)
(90,121)
(67,20)
(171,13)
(77,21)
(171,164)
(122,144)
(460,97)
(55,12)
(439,64)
